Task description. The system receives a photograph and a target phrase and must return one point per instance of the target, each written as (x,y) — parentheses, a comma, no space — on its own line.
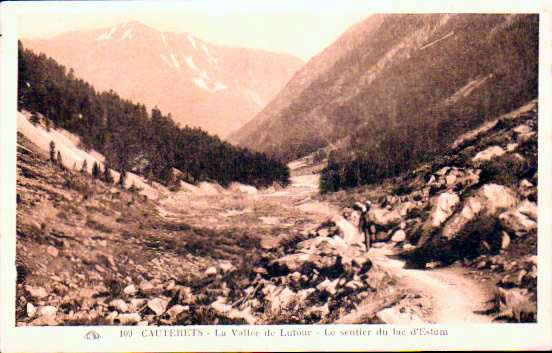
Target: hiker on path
(364,225)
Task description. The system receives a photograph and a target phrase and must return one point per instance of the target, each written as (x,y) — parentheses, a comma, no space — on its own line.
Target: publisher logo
(92,335)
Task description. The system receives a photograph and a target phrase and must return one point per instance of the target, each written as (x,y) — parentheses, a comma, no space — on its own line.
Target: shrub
(506,170)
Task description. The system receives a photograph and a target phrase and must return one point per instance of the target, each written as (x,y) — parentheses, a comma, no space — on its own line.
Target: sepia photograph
(203,168)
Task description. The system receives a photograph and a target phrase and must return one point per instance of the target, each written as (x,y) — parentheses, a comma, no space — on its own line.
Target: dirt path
(454,298)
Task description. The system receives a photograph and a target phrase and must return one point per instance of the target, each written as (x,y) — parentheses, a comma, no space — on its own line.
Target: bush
(506,170)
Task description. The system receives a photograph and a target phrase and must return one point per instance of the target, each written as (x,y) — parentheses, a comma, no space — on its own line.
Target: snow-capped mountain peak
(201,84)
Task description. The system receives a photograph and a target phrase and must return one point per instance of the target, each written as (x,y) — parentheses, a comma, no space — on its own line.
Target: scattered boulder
(221,307)
(38,292)
(158,305)
(488,201)
(212,270)
(384,218)
(119,305)
(31,310)
(130,290)
(488,154)
(444,206)
(529,209)
(129,319)
(47,310)
(280,298)
(328,286)
(52,251)
(176,310)
(517,223)
(147,288)
(505,241)
(348,232)
(398,236)
(227,267)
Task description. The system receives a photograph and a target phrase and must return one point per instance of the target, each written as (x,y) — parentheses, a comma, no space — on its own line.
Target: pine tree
(52,151)
(59,160)
(122,178)
(107,177)
(84,168)
(34,119)
(95,170)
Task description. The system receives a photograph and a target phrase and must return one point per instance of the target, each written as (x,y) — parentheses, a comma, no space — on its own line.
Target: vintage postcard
(259,176)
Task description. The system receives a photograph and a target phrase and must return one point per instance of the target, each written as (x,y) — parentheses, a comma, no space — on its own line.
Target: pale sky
(298,30)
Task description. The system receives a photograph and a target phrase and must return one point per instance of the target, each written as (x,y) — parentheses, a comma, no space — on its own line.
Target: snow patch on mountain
(164,39)
(210,58)
(200,82)
(204,76)
(175,61)
(254,96)
(219,86)
(205,50)
(107,35)
(165,60)
(127,34)
(192,40)
(190,61)
(67,144)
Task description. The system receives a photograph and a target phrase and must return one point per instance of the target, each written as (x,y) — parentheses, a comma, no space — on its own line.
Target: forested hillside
(130,137)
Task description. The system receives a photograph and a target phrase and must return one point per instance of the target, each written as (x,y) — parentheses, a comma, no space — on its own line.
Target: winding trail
(453,297)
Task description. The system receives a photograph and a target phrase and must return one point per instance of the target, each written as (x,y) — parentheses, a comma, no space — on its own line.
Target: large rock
(488,201)
(31,310)
(37,292)
(129,319)
(472,229)
(384,218)
(280,299)
(398,236)
(306,263)
(227,310)
(119,305)
(328,286)
(488,154)
(443,207)
(347,231)
(48,310)
(158,305)
(515,222)
(529,209)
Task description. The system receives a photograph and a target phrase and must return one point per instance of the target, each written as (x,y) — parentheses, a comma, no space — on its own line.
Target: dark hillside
(409,85)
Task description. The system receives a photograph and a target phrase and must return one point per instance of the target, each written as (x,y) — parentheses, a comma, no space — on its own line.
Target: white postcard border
(62,339)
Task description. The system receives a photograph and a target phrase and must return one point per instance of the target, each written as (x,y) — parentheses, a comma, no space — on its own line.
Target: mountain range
(213,87)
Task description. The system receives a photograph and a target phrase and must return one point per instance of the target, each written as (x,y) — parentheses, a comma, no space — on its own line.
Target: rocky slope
(392,74)
(89,253)
(216,88)
(474,207)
